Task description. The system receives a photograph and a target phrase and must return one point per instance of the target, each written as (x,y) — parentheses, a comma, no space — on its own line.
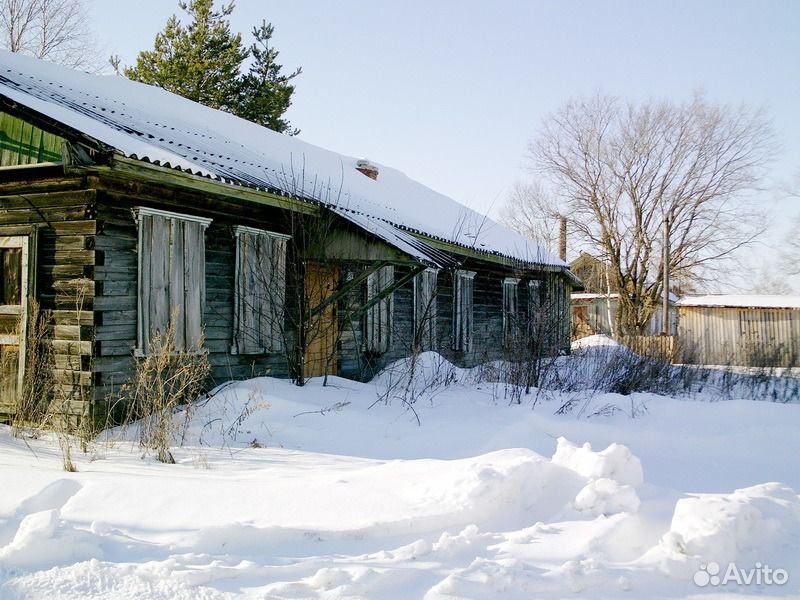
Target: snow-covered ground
(320,492)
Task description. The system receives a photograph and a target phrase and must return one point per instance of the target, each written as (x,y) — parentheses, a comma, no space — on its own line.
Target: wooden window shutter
(509,308)
(378,325)
(172,269)
(425,309)
(260,291)
(463,310)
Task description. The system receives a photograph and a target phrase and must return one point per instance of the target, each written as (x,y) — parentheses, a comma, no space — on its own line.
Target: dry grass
(168,377)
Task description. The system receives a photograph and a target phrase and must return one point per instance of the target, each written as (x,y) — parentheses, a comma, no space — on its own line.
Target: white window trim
(238,230)
(145,211)
(465,344)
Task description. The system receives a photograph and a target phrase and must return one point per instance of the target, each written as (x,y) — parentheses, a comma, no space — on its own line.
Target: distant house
(124,208)
(595,310)
(596,313)
(740,330)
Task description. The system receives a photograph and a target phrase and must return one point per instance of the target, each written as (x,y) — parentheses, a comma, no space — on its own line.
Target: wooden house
(759,331)
(594,310)
(594,313)
(124,208)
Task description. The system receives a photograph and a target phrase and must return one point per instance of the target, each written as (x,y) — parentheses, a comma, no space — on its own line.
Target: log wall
(60,213)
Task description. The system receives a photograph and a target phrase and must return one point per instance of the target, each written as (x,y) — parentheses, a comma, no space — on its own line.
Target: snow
(742,301)
(148,123)
(337,492)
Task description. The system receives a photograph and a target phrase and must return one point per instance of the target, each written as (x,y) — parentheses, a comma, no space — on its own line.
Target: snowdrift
(339,491)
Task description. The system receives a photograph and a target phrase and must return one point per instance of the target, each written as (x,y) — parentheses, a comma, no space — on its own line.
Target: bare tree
(527,212)
(791,248)
(792,251)
(53,30)
(623,173)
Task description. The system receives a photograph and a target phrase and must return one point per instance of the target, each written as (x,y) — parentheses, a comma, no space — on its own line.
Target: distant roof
(152,125)
(742,301)
(594,296)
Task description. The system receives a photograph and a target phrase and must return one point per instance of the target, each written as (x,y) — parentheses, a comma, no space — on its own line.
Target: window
(534,296)
(15,288)
(509,308)
(172,282)
(425,309)
(534,305)
(260,293)
(379,316)
(462,310)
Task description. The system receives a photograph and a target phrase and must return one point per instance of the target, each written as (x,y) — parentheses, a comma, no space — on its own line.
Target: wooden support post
(346,288)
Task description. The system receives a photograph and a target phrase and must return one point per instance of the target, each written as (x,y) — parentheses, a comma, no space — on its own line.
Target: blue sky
(451,91)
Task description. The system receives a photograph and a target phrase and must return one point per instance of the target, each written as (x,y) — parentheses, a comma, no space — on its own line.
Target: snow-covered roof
(150,124)
(595,296)
(742,301)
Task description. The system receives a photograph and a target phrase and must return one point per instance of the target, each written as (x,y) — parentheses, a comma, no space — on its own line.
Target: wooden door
(13,318)
(321,330)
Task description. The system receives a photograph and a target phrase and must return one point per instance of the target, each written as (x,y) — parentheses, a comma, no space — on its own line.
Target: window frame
(429,278)
(510,307)
(141,213)
(379,318)
(463,309)
(238,346)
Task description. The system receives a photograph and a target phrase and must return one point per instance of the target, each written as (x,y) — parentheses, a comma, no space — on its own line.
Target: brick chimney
(562,239)
(367,168)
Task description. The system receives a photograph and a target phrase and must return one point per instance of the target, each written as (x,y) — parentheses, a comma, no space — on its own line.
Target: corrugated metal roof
(150,124)
(742,301)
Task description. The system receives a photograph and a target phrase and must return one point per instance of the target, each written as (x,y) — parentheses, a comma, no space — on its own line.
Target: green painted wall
(24,144)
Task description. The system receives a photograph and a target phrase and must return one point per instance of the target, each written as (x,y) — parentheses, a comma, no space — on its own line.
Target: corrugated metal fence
(757,337)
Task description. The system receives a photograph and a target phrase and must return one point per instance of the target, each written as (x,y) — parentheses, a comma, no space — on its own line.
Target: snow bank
(592,341)
(320,492)
(606,497)
(758,523)
(616,462)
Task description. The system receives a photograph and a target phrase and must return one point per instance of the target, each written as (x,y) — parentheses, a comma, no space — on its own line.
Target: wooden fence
(662,347)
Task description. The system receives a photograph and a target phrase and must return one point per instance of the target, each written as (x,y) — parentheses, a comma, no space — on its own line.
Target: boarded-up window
(260,291)
(509,308)
(378,326)
(534,296)
(172,280)
(425,309)
(462,310)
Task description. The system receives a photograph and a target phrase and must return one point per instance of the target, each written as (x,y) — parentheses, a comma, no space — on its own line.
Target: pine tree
(266,94)
(203,61)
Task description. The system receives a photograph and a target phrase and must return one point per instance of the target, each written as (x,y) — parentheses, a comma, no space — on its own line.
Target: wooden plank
(155,259)
(43,215)
(27,181)
(178,267)
(115,303)
(195,268)
(125,332)
(73,332)
(69,347)
(128,169)
(54,200)
(82,378)
(115,347)
(73,317)
(85,227)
